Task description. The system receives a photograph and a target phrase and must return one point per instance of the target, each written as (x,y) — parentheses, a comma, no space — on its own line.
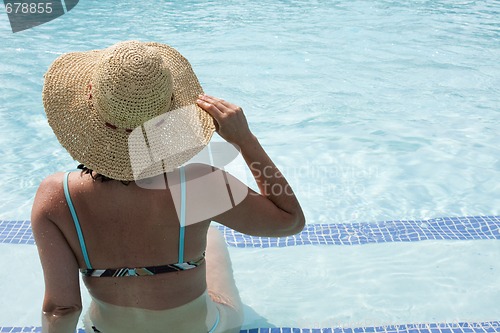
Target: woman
(133,221)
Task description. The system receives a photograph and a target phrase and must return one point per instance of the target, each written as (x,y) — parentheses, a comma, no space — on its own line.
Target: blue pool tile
(455,228)
(477,327)
(468,330)
(491,329)
(458,330)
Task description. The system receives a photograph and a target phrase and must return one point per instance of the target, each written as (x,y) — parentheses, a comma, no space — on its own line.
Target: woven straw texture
(132,101)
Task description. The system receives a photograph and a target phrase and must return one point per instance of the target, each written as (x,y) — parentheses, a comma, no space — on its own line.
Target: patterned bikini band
(143,271)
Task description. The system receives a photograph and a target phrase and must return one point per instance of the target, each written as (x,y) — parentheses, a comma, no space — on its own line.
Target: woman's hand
(230,121)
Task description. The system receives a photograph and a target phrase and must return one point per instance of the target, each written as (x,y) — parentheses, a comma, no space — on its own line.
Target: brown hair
(98,176)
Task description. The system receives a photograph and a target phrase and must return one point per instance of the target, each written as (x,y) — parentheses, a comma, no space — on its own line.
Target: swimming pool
(374,110)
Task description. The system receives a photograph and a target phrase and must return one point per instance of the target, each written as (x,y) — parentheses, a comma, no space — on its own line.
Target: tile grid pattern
(478,327)
(449,228)
(16,232)
(446,228)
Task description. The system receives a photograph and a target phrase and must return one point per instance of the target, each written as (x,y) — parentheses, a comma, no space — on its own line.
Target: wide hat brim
(90,141)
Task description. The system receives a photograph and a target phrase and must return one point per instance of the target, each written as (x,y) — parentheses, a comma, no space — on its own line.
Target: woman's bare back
(129,226)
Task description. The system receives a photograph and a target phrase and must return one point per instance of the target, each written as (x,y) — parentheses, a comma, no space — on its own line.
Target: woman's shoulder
(50,195)
(51,183)
(53,179)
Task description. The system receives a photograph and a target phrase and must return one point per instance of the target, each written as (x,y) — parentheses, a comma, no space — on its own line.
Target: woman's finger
(219,103)
(210,107)
(229,105)
(224,105)
(209,98)
(211,110)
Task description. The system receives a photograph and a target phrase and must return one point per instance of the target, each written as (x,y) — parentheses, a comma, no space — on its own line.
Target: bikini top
(138,271)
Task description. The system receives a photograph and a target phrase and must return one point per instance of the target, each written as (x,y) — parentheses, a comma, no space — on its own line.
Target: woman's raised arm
(274,212)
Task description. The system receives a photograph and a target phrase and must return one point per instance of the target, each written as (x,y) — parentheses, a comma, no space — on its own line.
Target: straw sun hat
(127,112)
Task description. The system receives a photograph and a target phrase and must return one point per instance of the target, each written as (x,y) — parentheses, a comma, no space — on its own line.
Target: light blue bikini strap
(217,319)
(182,219)
(75,221)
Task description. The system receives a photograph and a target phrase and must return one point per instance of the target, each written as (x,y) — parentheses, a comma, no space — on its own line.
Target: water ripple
(377,110)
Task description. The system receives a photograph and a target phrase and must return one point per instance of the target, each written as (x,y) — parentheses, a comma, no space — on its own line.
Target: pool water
(374,110)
